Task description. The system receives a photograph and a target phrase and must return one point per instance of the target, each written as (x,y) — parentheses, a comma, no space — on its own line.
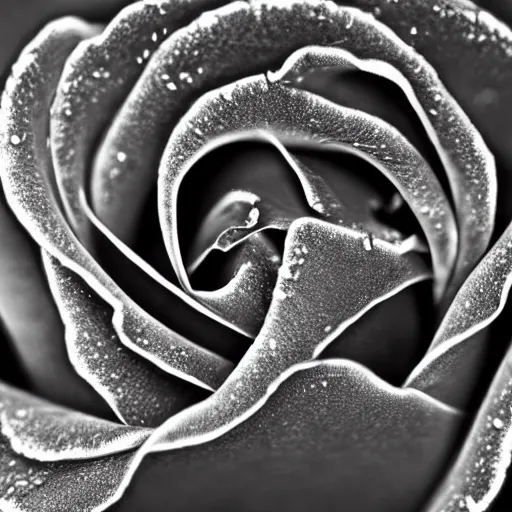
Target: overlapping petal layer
(131,90)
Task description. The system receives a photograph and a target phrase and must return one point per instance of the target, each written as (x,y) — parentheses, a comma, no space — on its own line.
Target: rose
(16,424)
(262,402)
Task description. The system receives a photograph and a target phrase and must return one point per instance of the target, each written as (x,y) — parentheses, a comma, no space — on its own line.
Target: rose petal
(446,371)
(137,392)
(470,49)
(35,332)
(30,486)
(245,299)
(256,208)
(219,306)
(315,299)
(480,469)
(26,178)
(43,431)
(256,104)
(233,219)
(96,79)
(468,163)
(328,433)
(241,303)
(198,57)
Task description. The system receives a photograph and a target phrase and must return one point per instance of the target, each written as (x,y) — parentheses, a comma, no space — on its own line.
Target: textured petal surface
(257,207)
(241,304)
(454,35)
(43,431)
(479,470)
(256,104)
(193,60)
(314,300)
(469,165)
(326,435)
(27,485)
(30,318)
(26,179)
(138,392)
(245,299)
(96,79)
(446,368)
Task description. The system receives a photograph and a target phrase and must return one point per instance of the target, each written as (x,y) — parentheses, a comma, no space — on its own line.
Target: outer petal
(479,470)
(330,437)
(97,77)
(470,49)
(138,392)
(31,486)
(26,177)
(447,368)
(32,323)
(43,431)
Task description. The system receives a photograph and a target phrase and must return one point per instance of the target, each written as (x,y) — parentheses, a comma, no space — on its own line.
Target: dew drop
(15,140)
(114,173)
(368,243)
(497,423)
(252,217)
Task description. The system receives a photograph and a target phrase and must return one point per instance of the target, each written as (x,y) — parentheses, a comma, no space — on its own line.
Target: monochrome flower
(232,200)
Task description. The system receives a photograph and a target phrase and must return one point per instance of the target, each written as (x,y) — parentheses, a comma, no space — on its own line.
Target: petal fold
(315,299)
(42,431)
(27,181)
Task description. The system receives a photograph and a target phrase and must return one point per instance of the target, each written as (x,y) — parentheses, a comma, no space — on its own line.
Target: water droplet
(414,31)
(184,76)
(368,243)
(272,343)
(497,423)
(121,157)
(114,173)
(171,86)
(15,140)
(252,217)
